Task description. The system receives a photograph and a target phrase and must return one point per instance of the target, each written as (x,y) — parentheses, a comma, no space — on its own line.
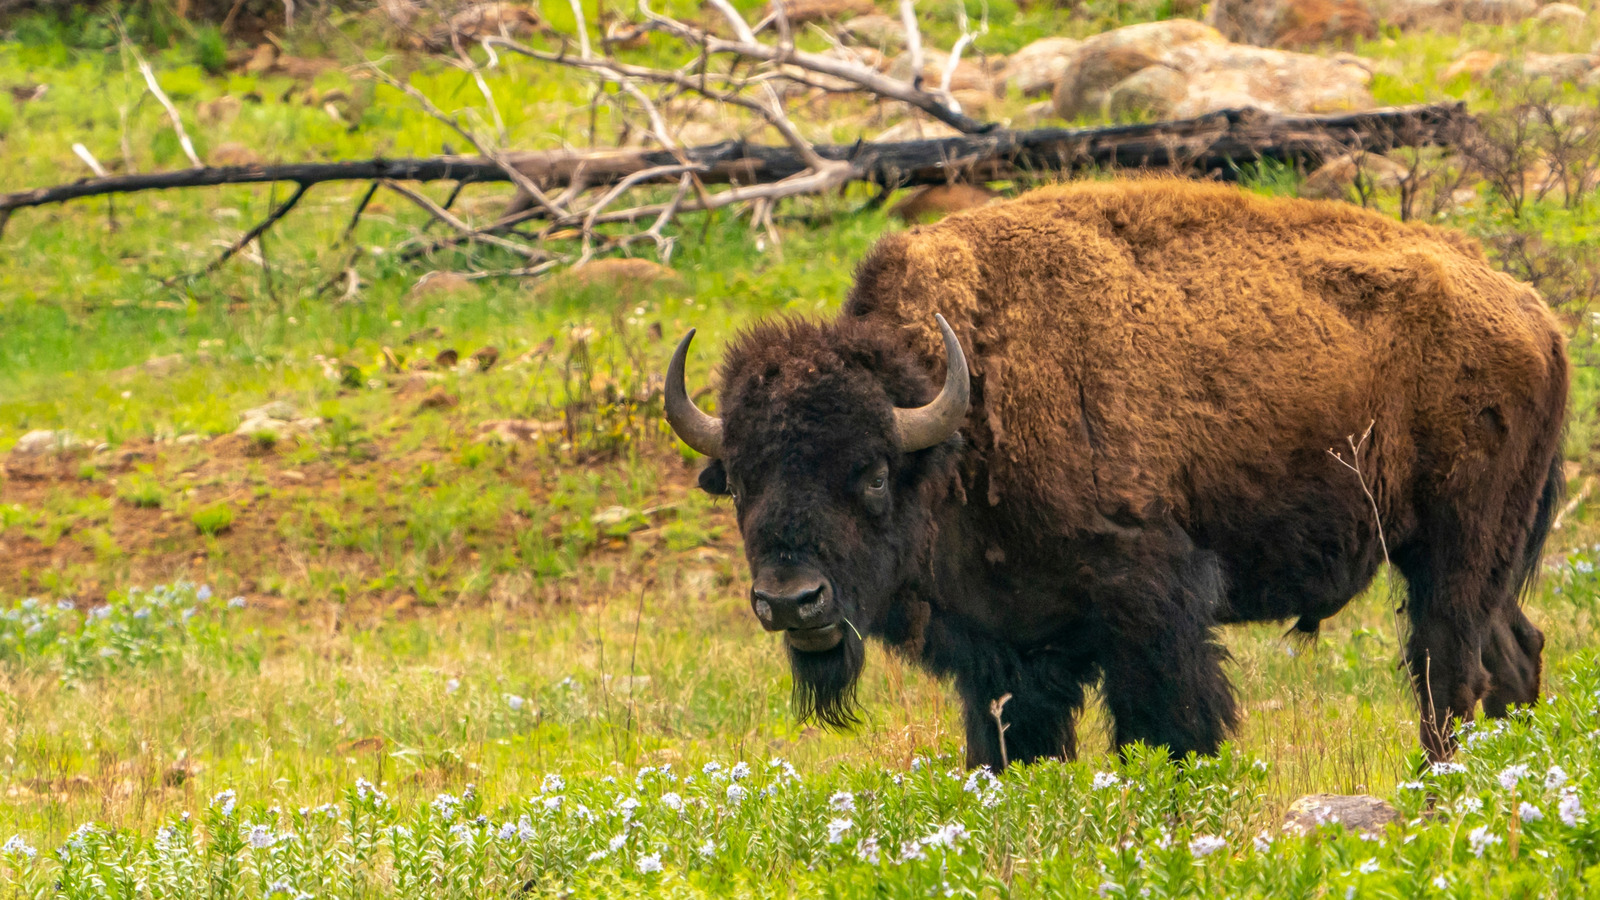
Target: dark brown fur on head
(808,412)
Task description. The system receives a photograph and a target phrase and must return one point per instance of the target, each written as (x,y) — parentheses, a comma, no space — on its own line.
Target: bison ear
(714,478)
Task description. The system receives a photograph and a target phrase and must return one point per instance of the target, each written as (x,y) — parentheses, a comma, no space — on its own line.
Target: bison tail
(1555,489)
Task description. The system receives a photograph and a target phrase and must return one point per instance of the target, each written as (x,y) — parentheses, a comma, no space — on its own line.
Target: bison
(1121,439)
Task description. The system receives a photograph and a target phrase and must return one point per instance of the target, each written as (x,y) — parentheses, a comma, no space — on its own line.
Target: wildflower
(445,805)
(1204,845)
(1103,780)
(1447,768)
(1527,812)
(911,850)
(1510,775)
(582,812)
(899,779)
(1441,882)
(980,778)
(506,831)
(16,846)
(280,887)
(1555,778)
(740,771)
(1412,786)
(460,833)
(1469,805)
(708,849)
(626,807)
(260,837)
(598,855)
(552,782)
(990,800)
(843,801)
(616,842)
(1368,867)
(1107,888)
(66,605)
(204,593)
(453,685)
(225,800)
(552,803)
(1263,841)
(867,850)
(836,830)
(649,863)
(515,702)
(711,768)
(1479,839)
(236,603)
(917,762)
(786,770)
(736,794)
(1570,809)
(946,836)
(672,801)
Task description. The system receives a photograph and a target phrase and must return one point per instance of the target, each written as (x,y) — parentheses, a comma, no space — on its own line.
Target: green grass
(428,610)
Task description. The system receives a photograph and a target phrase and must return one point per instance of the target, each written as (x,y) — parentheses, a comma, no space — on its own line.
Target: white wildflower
(649,863)
(946,836)
(598,855)
(506,831)
(980,779)
(1441,882)
(1447,768)
(553,803)
(711,768)
(1570,809)
(16,846)
(627,807)
(1555,778)
(1103,780)
(260,837)
(1263,841)
(911,850)
(867,850)
(836,830)
(740,771)
(672,801)
(990,800)
(236,603)
(1527,812)
(1368,867)
(843,801)
(515,702)
(1469,805)
(1412,786)
(445,805)
(1107,888)
(552,783)
(1204,845)
(617,841)
(1479,839)
(736,794)
(225,801)
(452,685)
(1510,775)
(708,849)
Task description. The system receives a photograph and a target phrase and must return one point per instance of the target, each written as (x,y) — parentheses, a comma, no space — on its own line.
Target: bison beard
(1158,372)
(825,682)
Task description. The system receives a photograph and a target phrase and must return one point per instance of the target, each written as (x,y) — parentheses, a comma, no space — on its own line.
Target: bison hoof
(814,640)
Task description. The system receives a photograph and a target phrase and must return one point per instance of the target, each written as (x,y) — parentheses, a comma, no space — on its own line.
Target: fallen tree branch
(244,241)
(1214,145)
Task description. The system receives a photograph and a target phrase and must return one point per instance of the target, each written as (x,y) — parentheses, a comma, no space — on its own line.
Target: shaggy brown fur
(1160,369)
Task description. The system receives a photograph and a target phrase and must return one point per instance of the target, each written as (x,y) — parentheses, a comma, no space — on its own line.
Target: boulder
(279,418)
(1150,93)
(1356,812)
(1292,23)
(1498,12)
(875,30)
(1106,59)
(1559,67)
(1448,15)
(934,202)
(635,277)
(1564,16)
(1278,81)
(800,11)
(1335,178)
(969,74)
(1036,68)
(1475,64)
(43,443)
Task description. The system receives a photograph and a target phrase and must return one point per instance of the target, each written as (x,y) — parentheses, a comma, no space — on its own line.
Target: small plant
(213,519)
(142,491)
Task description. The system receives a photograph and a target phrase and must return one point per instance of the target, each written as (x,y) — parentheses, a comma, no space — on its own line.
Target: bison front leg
(1163,679)
(1034,698)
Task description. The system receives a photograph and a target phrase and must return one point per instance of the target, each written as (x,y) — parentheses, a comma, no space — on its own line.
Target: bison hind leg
(1162,665)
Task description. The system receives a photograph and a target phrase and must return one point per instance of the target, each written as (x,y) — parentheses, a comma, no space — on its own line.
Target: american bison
(1141,385)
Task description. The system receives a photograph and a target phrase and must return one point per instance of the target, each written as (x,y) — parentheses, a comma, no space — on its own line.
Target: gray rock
(1357,812)
(43,443)
(1036,68)
(1152,92)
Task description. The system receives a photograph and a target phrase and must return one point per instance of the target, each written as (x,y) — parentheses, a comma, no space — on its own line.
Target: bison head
(835,459)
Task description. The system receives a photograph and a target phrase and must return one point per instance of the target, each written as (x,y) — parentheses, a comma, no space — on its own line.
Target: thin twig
(161,97)
(244,241)
(355,216)
(996,711)
(450,219)
(1355,466)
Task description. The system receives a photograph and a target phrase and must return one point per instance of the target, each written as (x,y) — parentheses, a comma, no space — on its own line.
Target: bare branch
(908,20)
(450,219)
(583,29)
(161,97)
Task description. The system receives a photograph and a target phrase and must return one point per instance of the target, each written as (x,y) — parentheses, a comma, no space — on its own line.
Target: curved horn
(693,427)
(926,426)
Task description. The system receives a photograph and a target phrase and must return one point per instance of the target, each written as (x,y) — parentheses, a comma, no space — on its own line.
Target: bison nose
(789,600)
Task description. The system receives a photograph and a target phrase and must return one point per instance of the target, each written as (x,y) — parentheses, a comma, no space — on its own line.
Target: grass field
(388,657)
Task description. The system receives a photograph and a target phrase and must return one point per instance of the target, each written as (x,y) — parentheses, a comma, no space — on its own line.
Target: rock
(484,358)
(1036,68)
(220,111)
(1559,67)
(1108,58)
(1334,178)
(635,277)
(1275,81)
(973,103)
(440,284)
(937,201)
(1448,15)
(876,30)
(278,417)
(43,443)
(1498,12)
(233,153)
(262,59)
(969,75)
(1150,93)
(1564,16)
(915,129)
(1292,23)
(446,358)
(438,398)
(1356,812)
(1474,64)
(800,11)
(512,431)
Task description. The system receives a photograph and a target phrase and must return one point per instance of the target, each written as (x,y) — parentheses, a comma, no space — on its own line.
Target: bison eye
(875,489)
(878,483)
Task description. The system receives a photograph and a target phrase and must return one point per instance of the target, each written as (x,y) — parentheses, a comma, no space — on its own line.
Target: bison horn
(926,426)
(693,427)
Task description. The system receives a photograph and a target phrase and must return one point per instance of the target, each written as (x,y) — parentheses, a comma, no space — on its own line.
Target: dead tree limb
(1214,145)
(244,240)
